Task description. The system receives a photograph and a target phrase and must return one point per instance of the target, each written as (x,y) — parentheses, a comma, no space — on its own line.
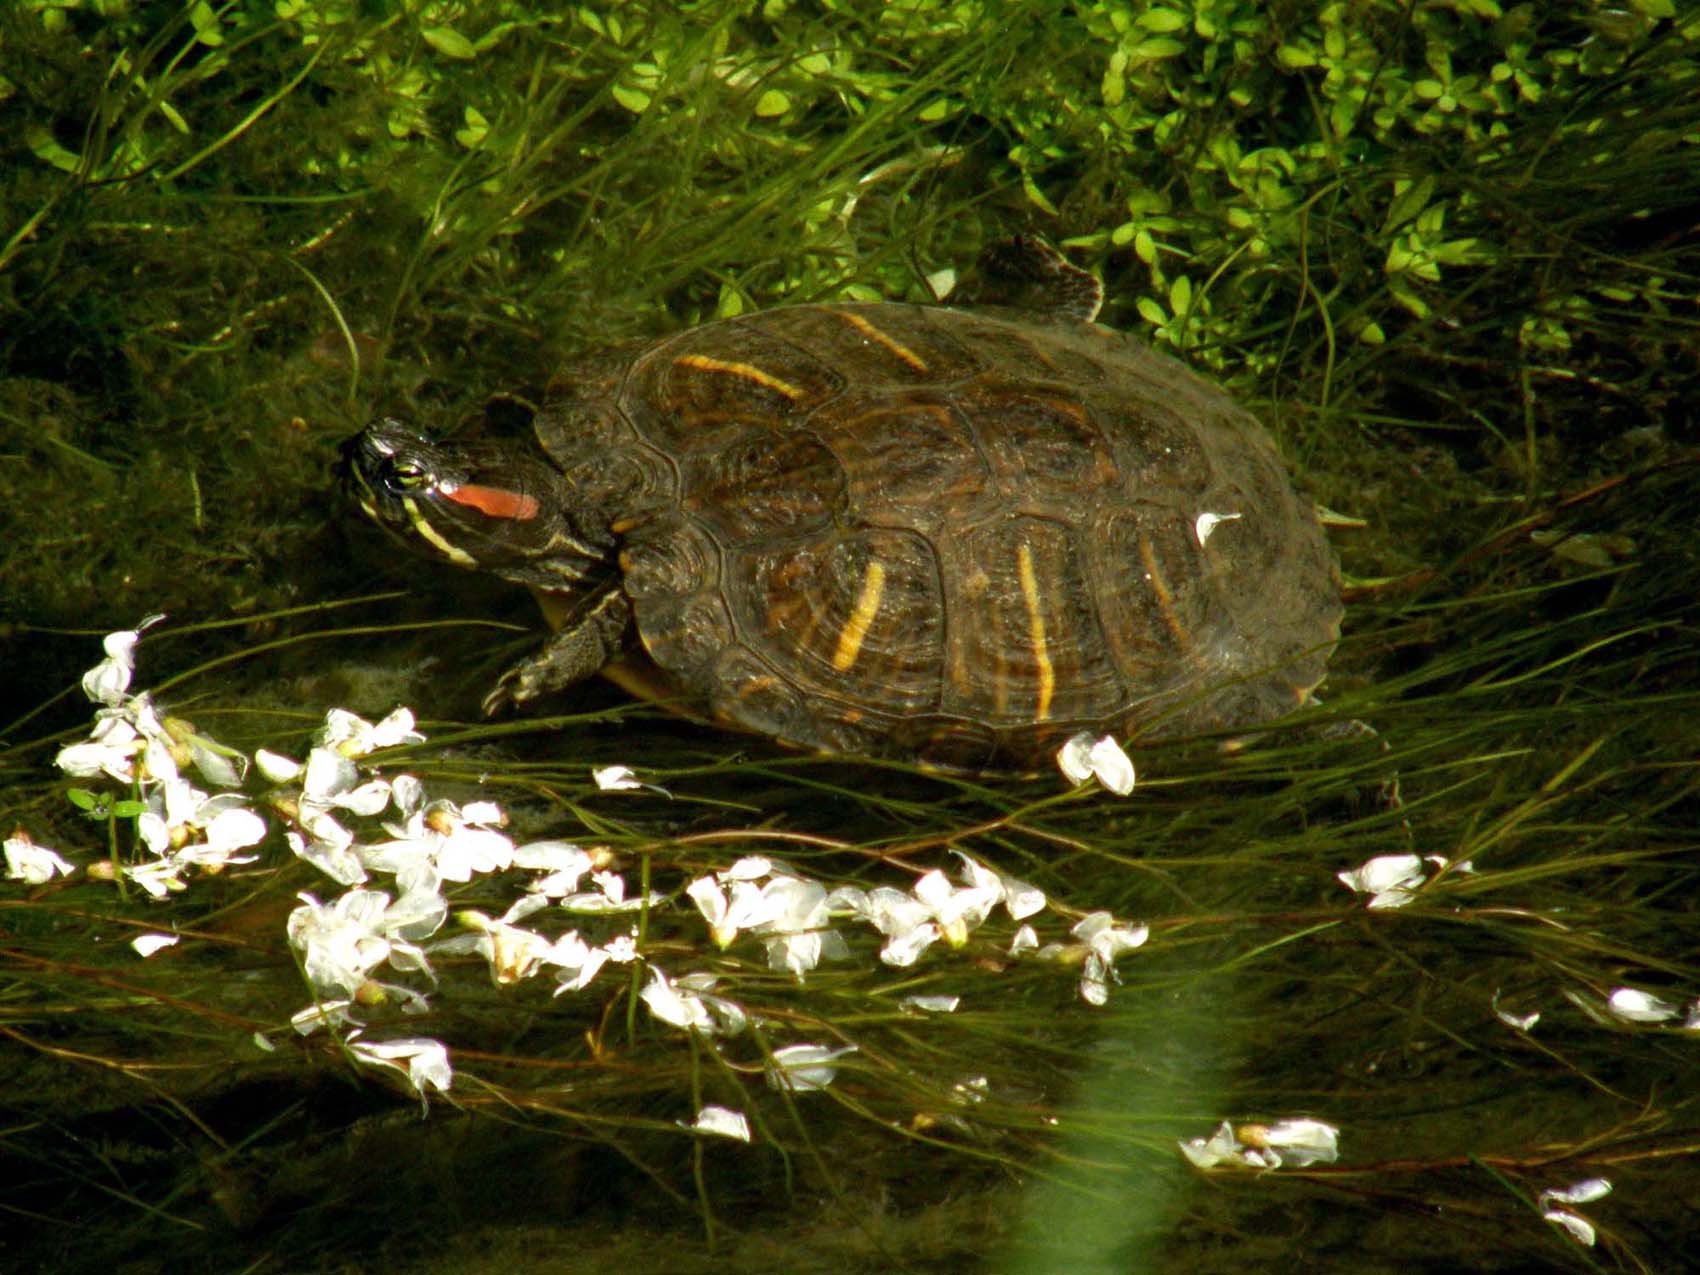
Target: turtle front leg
(593,635)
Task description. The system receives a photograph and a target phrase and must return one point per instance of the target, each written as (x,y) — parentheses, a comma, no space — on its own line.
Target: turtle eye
(406,475)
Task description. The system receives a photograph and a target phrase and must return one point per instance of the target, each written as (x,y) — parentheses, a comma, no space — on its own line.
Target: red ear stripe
(497,502)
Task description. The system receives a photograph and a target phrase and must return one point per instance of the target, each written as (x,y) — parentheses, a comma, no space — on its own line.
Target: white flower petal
(275,767)
(599,903)
(1083,757)
(1580,1228)
(354,736)
(850,900)
(1095,978)
(794,953)
(367,800)
(552,856)
(1301,1142)
(343,942)
(514,953)
(1584,1192)
(1113,767)
(1108,940)
(931,1004)
(1072,758)
(977,875)
(1397,897)
(894,913)
(1382,872)
(1022,900)
(427,1060)
(722,1122)
(1219,1148)
(1522,1022)
(33,864)
(327,775)
(622,948)
(332,1013)
(1440,862)
(577,964)
(934,889)
(729,1017)
(710,899)
(342,726)
(408,793)
(395,729)
(147,944)
(235,829)
(904,948)
(616,779)
(612,885)
(1390,879)
(752,867)
(116,758)
(153,832)
(222,766)
(786,904)
(328,846)
(157,763)
(159,879)
(417,914)
(107,681)
(469,851)
(485,813)
(800,1068)
(1205,523)
(524,906)
(558,885)
(184,804)
(1635,1006)
(674,1006)
(750,906)
(408,854)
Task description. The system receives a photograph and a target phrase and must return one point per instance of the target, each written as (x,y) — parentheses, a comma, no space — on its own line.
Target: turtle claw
(533,676)
(500,700)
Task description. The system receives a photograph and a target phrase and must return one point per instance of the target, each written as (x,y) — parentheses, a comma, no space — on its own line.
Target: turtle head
(487,505)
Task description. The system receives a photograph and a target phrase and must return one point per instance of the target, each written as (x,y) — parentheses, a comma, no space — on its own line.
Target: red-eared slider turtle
(957,535)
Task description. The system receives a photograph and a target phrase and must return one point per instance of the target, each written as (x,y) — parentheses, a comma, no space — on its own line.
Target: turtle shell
(956,535)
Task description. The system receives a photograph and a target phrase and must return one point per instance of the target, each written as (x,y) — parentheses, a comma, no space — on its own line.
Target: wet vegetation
(1449,252)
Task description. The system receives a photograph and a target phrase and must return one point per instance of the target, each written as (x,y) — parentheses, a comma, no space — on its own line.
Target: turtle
(955,535)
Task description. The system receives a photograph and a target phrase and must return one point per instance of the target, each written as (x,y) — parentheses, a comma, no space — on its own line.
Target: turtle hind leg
(1385,794)
(1026,273)
(593,635)
(1379,795)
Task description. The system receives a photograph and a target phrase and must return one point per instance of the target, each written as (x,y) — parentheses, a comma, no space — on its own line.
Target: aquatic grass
(1259,948)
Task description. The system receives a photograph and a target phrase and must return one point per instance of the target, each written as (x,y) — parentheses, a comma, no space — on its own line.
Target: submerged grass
(1447,251)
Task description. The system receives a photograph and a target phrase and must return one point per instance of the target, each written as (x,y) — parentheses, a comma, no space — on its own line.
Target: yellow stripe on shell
(891,343)
(1160,587)
(1036,632)
(855,630)
(749,371)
